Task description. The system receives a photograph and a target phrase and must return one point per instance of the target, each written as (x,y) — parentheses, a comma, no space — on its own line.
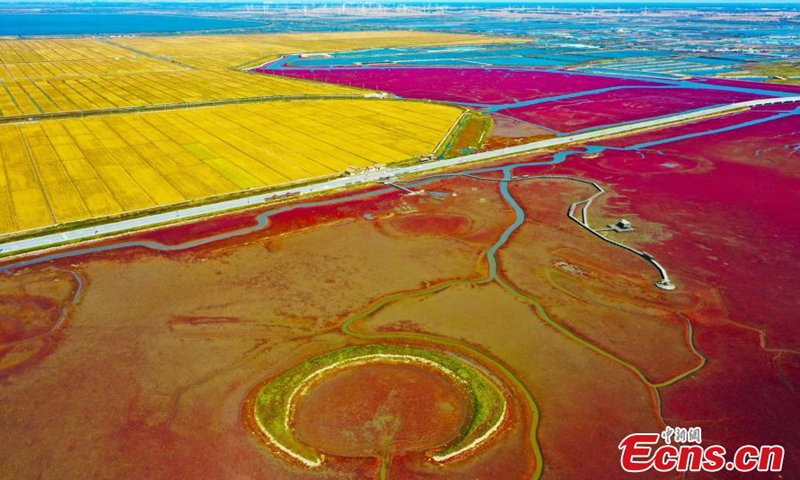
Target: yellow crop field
(40,77)
(214,51)
(37,96)
(65,170)
(55,171)
(21,59)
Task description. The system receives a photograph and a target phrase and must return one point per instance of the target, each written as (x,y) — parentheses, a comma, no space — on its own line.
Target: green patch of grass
(779,72)
(468,136)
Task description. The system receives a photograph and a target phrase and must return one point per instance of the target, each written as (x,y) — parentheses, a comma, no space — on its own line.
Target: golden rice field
(42,96)
(58,171)
(72,75)
(90,77)
(209,51)
(59,57)
(65,170)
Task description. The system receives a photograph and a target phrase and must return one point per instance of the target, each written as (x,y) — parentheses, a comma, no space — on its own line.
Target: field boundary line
(181,106)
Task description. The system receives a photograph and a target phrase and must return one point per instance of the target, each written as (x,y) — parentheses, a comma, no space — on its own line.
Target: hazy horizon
(351,2)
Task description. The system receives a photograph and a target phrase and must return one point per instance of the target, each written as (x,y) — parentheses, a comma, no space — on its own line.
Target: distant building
(622,226)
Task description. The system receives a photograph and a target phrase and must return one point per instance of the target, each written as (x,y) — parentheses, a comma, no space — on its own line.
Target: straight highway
(366,177)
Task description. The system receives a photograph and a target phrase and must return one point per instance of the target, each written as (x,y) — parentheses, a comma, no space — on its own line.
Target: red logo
(641,452)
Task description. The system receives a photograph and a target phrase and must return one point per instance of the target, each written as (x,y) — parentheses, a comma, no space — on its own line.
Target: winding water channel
(350,325)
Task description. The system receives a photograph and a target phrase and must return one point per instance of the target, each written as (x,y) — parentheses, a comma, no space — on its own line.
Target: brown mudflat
(380,409)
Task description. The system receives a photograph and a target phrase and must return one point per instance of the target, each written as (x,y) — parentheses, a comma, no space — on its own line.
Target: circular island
(378,401)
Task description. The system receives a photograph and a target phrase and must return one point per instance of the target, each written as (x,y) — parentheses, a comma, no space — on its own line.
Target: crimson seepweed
(679,449)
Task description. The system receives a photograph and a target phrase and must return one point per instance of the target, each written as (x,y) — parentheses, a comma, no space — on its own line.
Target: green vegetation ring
(274,402)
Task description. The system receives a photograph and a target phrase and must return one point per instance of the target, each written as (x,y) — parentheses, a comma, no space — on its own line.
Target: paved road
(115,227)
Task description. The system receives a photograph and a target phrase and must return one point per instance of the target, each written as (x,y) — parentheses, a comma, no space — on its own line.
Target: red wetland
(154,341)
(476,85)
